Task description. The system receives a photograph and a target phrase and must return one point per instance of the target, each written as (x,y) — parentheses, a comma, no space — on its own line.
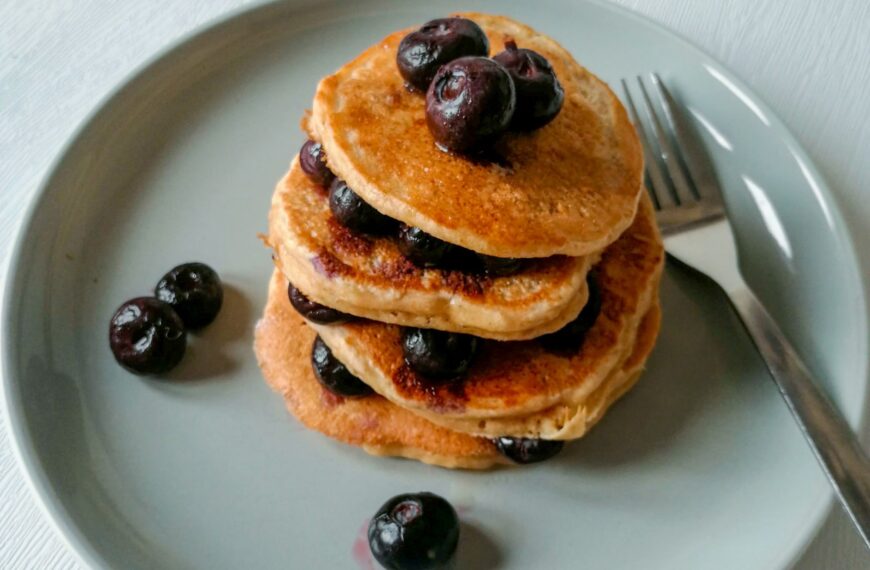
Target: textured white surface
(58,58)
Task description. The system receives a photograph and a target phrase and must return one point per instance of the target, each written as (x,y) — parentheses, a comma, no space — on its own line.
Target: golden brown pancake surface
(518,378)
(573,420)
(369,277)
(283,347)
(570,188)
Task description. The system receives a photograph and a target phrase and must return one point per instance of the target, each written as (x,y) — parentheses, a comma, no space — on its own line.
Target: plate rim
(22,445)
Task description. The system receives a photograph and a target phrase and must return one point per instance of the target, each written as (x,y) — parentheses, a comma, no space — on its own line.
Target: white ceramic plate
(699,467)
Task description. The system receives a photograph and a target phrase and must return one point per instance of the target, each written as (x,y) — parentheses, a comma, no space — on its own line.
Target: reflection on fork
(692,216)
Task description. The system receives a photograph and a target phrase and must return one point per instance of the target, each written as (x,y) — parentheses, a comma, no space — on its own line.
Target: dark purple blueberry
(333,375)
(539,93)
(440,41)
(438,355)
(418,531)
(147,336)
(570,337)
(527,450)
(470,103)
(501,266)
(354,213)
(422,249)
(312,159)
(195,292)
(313,311)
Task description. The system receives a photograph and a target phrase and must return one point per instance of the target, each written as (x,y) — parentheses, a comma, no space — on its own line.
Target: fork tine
(691,148)
(669,155)
(659,191)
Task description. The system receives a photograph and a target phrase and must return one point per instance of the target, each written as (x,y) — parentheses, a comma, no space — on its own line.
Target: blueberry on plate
(195,292)
(539,93)
(469,104)
(147,336)
(571,336)
(440,41)
(422,249)
(525,450)
(438,355)
(313,311)
(312,159)
(417,531)
(333,375)
(354,213)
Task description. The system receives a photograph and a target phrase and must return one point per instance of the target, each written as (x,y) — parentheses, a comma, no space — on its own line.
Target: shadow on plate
(700,355)
(207,356)
(476,549)
(73,458)
(55,420)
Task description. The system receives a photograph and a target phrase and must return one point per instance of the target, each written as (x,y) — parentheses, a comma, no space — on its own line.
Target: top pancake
(570,188)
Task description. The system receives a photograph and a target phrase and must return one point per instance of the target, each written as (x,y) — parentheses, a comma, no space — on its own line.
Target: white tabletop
(810,60)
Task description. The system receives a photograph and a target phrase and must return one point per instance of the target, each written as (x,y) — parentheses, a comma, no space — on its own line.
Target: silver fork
(694,222)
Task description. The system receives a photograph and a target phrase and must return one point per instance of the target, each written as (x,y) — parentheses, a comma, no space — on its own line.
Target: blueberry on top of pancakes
(313,311)
(438,355)
(424,250)
(312,159)
(333,375)
(436,43)
(500,266)
(469,104)
(539,93)
(354,213)
(524,450)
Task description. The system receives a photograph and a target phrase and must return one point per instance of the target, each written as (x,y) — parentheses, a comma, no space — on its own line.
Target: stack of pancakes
(567,199)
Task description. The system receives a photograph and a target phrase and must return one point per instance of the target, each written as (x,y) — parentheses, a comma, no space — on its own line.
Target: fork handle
(827,432)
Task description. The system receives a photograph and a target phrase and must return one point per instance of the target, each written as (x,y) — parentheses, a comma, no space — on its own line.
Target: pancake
(520,378)
(369,277)
(283,347)
(571,420)
(571,187)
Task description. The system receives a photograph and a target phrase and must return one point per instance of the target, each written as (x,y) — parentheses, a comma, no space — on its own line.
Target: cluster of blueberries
(472,99)
(148,335)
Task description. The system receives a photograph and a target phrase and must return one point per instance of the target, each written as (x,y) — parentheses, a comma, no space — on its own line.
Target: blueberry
(354,213)
(539,93)
(312,159)
(422,249)
(441,41)
(501,266)
(147,336)
(527,450)
(333,375)
(195,292)
(314,312)
(571,336)
(416,531)
(470,103)
(438,355)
